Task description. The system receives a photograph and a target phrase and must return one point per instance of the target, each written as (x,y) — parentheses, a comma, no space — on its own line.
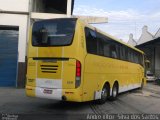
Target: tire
(114,93)
(104,95)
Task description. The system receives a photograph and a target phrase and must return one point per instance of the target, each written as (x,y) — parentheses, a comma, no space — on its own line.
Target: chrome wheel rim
(114,93)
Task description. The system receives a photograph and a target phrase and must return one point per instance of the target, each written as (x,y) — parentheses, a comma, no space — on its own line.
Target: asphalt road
(14,101)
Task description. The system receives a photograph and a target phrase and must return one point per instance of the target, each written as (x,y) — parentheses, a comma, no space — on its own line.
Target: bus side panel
(134,77)
(96,73)
(99,70)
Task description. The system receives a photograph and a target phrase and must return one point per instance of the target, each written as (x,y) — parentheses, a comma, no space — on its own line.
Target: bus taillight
(78,74)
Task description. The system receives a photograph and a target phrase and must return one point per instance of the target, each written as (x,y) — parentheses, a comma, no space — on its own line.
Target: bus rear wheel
(104,95)
(114,92)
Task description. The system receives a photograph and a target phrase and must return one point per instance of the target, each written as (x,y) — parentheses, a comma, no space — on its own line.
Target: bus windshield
(57,32)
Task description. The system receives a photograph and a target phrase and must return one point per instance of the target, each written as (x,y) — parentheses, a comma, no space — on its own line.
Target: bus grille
(49,68)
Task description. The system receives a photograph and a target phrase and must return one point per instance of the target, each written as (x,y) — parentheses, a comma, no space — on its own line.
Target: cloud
(115,15)
(122,23)
(155,16)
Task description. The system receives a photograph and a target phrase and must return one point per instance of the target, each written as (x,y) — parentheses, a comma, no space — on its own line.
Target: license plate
(46,91)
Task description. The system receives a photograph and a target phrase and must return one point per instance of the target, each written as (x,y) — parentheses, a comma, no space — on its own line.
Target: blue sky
(125,16)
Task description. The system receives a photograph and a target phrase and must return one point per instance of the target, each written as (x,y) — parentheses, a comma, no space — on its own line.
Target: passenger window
(100,47)
(106,49)
(118,50)
(113,51)
(122,53)
(91,41)
(132,56)
(100,40)
(129,55)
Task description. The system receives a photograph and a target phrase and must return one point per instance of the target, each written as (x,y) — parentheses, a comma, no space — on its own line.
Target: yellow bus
(70,60)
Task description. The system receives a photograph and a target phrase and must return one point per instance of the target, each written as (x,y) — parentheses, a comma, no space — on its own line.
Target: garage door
(8,56)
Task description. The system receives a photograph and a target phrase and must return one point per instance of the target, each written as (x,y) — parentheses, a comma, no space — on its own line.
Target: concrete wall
(14,5)
(22,22)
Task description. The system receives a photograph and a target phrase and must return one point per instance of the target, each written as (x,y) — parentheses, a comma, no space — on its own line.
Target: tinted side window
(129,55)
(106,49)
(126,54)
(113,51)
(104,44)
(132,56)
(140,57)
(91,41)
(135,57)
(100,41)
(122,52)
(118,50)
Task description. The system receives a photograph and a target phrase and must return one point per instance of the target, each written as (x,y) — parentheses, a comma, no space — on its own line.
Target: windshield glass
(57,32)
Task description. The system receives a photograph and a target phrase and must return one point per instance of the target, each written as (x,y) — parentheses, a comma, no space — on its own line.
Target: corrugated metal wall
(8,57)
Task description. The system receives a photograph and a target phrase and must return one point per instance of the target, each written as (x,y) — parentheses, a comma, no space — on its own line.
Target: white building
(145,36)
(132,41)
(16,16)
